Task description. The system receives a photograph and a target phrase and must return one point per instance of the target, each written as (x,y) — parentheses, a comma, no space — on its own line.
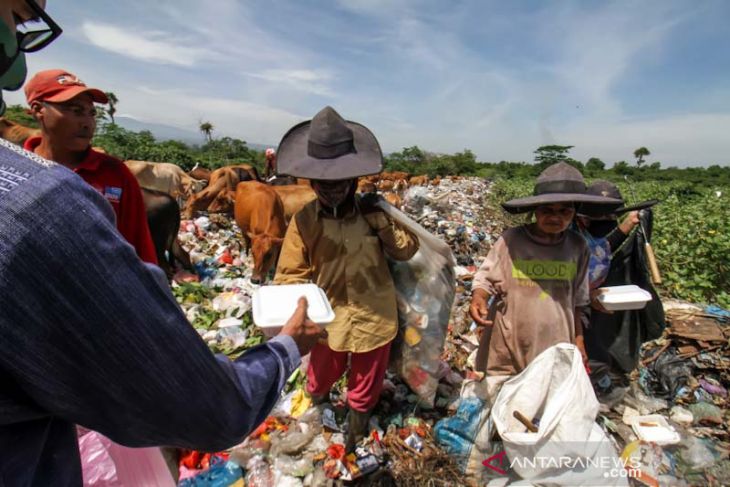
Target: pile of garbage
(455,212)
(302,444)
(679,390)
(217,300)
(674,414)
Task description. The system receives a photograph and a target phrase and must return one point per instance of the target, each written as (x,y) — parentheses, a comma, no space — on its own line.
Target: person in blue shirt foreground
(92,335)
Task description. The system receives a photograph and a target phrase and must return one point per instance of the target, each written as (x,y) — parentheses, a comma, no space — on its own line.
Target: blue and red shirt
(110,177)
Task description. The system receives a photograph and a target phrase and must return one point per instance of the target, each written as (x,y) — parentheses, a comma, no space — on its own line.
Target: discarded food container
(654,428)
(274,305)
(618,298)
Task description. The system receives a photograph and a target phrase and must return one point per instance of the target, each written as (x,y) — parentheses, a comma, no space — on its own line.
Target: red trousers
(365,381)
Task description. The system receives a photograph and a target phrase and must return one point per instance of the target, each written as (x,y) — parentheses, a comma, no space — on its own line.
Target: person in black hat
(339,241)
(613,339)
(537,276)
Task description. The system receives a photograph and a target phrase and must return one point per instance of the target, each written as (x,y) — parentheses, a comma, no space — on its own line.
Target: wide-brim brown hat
(610,190)
(329,147)
(559,183)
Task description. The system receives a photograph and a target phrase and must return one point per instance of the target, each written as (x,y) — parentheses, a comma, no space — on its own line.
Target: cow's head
(192,186)
(223,203)
(265,250)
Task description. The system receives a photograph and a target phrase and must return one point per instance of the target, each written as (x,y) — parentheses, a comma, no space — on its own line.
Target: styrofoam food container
(617,298)
(274,305)
(654,428)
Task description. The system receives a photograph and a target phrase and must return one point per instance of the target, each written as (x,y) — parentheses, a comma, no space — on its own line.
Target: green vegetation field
(690,239)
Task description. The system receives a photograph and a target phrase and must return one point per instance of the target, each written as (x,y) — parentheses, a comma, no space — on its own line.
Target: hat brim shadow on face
(529,203)
(97,95)
(589,209)
(294,160)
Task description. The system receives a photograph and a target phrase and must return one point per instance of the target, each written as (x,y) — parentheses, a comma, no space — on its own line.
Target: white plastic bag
(425,288)
(569,448)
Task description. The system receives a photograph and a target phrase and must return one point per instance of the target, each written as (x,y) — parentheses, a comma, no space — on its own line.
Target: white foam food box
(274,305)
(618,298)
(654,428)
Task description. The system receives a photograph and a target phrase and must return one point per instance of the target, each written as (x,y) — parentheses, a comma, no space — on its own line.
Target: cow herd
(261,209)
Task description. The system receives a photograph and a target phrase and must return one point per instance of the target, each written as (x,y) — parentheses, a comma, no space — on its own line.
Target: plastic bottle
(258,473)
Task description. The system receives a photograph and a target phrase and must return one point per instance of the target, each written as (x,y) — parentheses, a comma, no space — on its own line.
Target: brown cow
(436,181)
(418,181)
(259,214)
(394,175)
(201,173)
(366,186)
(246,172)
(294,198)
(393,199)
(220,192)
(386,185)
(166,177)
(16,133)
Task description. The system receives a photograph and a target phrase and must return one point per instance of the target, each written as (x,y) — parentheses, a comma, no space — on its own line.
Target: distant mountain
(168,132)
(160,131)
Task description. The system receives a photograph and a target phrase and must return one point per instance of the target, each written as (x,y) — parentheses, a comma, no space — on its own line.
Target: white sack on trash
(569,448)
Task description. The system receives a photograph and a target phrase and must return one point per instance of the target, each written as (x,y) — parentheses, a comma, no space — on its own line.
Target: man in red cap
(64,108)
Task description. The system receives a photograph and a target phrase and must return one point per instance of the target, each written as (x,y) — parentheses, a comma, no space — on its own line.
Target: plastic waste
(680,415)
(466,435)
(695,454)
(295,467)
(414,442)
(220,473)
(231,336)
(108,464)
(290,442)
(667,375)
(258,473)
(703,413)
(234,304)
(643,403)
(425,290)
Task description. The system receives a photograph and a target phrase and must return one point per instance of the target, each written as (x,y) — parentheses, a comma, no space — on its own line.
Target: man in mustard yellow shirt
(339,242)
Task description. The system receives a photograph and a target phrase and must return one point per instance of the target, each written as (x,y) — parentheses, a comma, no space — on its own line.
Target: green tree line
(222,151)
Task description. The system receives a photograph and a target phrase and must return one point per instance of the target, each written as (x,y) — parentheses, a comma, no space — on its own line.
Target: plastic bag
(107,464)
(294,467)
(466,435)
(425,289)
(555,389)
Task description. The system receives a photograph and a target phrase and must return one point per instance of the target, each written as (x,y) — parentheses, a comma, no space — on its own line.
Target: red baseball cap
(58,86)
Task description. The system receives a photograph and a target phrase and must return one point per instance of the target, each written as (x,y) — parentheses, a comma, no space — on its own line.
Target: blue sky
(498,77)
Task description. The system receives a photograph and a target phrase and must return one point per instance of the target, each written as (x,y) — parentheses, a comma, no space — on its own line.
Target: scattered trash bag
(667,375)
(466,435)
(222,473)
(555,392)
(105,463)
(425,288)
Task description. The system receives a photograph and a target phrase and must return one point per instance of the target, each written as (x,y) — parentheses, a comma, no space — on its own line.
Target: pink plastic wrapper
(107,464)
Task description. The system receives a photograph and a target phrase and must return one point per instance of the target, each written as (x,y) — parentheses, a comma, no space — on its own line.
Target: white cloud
(154,47)
(309,80)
